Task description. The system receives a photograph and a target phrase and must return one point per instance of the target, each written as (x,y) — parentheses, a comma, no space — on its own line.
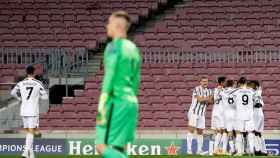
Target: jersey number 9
(245,99)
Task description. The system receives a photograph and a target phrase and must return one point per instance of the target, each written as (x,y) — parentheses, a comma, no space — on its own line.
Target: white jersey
(199,108)
(245,99)
(29,91)
(228,99)
(218,104)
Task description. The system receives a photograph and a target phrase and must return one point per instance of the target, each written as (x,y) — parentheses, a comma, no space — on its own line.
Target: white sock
(217,141)
(231,145)
(199,143)
(263,145)
(27,146)
(238,143)
(29,143)
(225,142)
(25,152)
(243,144)
(251,142)
(258,143)
(189,141)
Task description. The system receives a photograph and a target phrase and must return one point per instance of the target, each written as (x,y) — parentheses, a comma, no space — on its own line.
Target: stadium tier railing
(54,60)
(178,57)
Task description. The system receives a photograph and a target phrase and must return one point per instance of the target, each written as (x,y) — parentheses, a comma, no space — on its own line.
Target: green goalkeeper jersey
(122,63)
(117,116)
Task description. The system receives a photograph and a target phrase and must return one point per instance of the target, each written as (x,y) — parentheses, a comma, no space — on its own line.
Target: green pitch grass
(142,156)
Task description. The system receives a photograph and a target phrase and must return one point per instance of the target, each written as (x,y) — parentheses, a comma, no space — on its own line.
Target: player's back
(228,99)
(244,98)
(218,106)
(30,91)
(127,71)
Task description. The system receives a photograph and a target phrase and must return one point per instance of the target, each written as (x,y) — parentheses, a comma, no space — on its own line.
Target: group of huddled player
(237,117)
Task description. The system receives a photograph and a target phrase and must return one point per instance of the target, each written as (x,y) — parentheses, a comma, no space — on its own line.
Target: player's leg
(245,147)
(103,134)
(258,143)
(120,130)
(37,133)
(218,134)
(231,142)
(200,141)
(190,137)
(263,146)
(239,127)
(192,124)
(200,130)
(224,141)
(238,143)
(250,137)
(29,142)
(29,123)
(229,130)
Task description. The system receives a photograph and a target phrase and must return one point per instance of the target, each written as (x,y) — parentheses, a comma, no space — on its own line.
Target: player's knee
(217,131)
(30,130)
(191,129)
(200,131)
(100,148)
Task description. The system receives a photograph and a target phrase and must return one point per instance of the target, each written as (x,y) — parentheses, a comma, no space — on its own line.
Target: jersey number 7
(30,89)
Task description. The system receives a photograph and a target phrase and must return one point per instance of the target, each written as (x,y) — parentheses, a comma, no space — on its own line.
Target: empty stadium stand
(212,25)
(63,23)
(192,26)
(67,24)
(165,95)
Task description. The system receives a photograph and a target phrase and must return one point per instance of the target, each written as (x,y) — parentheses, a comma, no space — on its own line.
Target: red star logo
(172,149)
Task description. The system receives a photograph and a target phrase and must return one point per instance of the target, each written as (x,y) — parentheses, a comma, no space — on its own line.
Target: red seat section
(165,96)
(213,26)
(67,24)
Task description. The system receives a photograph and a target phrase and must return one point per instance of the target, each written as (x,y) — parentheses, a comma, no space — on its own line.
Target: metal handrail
(177,57)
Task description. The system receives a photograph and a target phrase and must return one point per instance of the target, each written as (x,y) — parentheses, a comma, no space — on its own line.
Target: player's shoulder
(235,90)
(37,81)
(197,88)
(111,47)
(21,81)
(252,90)
(216,89)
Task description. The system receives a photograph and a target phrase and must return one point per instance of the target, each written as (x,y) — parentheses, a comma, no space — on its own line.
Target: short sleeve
(196,92)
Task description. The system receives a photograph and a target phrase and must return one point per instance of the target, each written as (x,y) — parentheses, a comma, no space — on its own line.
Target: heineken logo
(142,147)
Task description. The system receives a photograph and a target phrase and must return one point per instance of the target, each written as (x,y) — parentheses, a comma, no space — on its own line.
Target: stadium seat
(70,17)
(165,97)
(229,22)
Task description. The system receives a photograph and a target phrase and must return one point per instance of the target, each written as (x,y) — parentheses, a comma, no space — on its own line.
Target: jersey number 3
(30,89)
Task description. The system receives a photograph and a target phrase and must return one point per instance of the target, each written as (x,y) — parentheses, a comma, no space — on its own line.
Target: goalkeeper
(117,116)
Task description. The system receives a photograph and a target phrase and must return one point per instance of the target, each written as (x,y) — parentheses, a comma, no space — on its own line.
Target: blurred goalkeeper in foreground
(117,116)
